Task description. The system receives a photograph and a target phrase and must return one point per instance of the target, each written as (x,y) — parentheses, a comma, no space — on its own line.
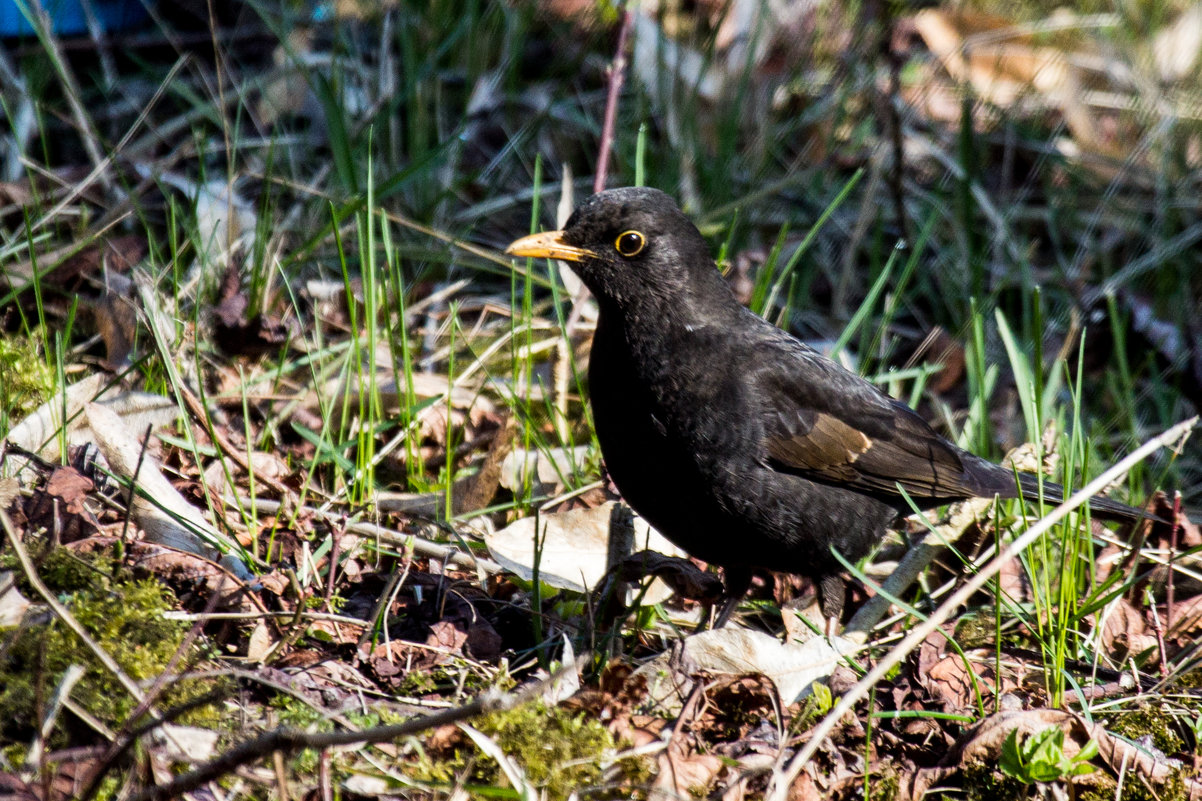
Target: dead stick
(617,74)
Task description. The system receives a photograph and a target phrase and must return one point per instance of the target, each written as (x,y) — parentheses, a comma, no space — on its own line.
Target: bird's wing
(822,422)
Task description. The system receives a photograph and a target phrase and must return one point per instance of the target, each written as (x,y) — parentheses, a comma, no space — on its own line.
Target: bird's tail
(1101,507)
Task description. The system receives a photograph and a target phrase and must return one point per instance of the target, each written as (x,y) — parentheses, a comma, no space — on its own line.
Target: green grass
(433,137)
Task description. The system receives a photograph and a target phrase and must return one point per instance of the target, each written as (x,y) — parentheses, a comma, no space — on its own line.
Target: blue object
(67,17)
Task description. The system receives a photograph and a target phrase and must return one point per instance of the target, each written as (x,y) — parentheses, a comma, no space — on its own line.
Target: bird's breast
(661,435)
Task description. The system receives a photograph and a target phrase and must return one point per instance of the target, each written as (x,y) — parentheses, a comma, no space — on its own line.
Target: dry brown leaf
(1187,620)
(1003,64)
(685,775)
(59,506)
(446,635)
(939,347)
(1125,631)
(239,335)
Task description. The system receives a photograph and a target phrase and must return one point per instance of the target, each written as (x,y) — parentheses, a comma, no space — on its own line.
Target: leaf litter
(336,607)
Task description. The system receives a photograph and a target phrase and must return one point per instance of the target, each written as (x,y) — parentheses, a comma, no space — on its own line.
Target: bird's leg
(831,593)
(738,581)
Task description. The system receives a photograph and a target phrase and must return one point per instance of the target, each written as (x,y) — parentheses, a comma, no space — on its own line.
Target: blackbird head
(630,246)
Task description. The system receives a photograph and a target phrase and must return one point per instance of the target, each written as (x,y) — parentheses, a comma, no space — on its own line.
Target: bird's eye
(630,243)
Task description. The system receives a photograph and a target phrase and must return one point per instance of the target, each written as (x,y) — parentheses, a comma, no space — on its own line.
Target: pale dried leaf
(260,643)
(186,744)
(550,467)
(574,548)
(159,510)
(139,410)
(36,432)
(369,786)
(12,603)
(685,775)
(567,684)
(985,51)
(793,667)
(1176,47)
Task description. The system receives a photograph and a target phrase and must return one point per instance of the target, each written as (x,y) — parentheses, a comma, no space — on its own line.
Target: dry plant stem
(617,74)
(1174,538)
(892,102)
(421,546)
(281,778)
(400,219)
(778,790)
(335,552)
(382,603)
(912,564)
(121,209)
(866,217)
(294,631)
(103,47)
(198,411)
(288,741)
(1111,689)
(323,776)
(1158,628)
(70,677)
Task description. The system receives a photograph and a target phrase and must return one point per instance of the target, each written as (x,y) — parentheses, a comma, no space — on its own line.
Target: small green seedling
(1041,757)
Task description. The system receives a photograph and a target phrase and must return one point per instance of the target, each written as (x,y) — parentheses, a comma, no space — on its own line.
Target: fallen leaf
(12,603)
(572,548)
(792,666)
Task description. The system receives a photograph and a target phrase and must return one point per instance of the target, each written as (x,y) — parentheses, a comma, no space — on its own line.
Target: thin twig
(1174,537)
(617,74)
(421,546)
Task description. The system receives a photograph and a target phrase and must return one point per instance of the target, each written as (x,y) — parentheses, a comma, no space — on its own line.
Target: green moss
(978,630)
(25,380)
(983,783)
(560,751)
(545,742)
(454,677)
(1190,680)
(124,616)
(1148,721)
(1172,789)
(296,714)
(885,784)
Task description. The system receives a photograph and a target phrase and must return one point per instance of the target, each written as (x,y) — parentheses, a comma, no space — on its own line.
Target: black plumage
(742,445)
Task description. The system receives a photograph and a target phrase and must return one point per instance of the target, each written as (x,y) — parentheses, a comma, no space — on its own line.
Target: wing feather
(826,424)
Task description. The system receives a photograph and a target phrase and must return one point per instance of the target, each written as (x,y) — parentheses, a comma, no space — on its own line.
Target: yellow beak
(548,245)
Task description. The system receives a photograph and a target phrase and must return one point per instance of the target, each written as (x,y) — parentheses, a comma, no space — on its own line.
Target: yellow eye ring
(630,243)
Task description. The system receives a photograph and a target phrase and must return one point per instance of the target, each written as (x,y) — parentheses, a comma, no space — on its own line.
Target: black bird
(742,445)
